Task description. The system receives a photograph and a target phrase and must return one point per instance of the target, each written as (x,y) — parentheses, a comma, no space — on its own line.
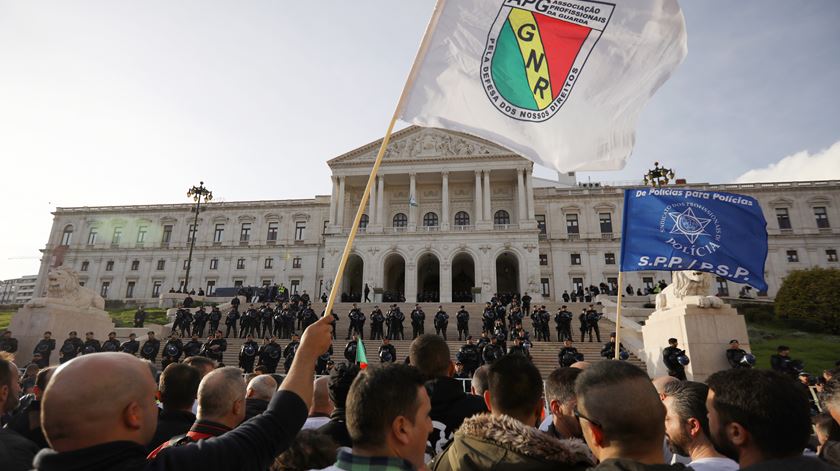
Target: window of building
(609,258)
(161,264)
(430,219)
(219,233)
(181,286)
(167,234)
(605,220)
(294,285)
(572,226)
(543,259)
(648,282)
(92,237)
(214,263)
(67,235)
(117,236)
(400,220)
(575,259)
(296,262)
(322,261)
(129,289)
(612,282)
(109,265)
(237,283)
(541,223)
(211,288)
(103,290)
(135,265)
(462,218)
(156,289)
(822,217)
(191,232)
(783,217)
(240,264)
(722,287)
(186,264)
(792,256)
(245,232)
(577,283)
(272,231)
(141,234)
(831,255)
(363,222)
(546,289)
(300,228)
(266,283)
(501,217)
(85,266)
(269,263)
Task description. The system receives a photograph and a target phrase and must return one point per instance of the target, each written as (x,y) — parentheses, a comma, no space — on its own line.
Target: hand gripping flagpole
(424,45)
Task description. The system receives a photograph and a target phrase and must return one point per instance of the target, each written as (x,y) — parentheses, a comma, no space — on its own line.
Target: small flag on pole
(361,357)
(560,82)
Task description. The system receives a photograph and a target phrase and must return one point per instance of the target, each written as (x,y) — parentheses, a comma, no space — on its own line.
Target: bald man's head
(321,397)
(634,422)
(83,407)
(221,396)
(262,387)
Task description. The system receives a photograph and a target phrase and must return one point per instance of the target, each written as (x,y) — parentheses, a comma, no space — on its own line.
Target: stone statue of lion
(63,288)
(688,283)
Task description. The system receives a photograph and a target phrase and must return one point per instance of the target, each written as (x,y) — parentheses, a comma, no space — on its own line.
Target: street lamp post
(658,176)
(196,193)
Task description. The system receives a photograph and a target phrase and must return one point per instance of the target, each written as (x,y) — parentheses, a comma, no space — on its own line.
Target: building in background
(18,290)
(450,217)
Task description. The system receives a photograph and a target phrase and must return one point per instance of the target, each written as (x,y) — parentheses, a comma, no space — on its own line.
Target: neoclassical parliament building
(451,216)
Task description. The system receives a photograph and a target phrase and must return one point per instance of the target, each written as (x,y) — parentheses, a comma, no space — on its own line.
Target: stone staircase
(544,354)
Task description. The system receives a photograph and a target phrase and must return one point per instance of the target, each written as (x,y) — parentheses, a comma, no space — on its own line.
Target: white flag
(561,82)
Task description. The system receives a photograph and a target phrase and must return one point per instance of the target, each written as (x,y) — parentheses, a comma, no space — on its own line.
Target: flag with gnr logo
(561,82)
(681,229)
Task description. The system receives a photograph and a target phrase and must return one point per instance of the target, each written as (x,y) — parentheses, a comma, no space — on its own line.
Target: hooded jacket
(503,443)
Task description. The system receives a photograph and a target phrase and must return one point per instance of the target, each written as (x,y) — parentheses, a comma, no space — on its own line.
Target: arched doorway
(351,283)
(393,278)
(428,279)
(507,273)
(463,278)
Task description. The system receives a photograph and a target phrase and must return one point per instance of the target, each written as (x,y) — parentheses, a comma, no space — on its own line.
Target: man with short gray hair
(258,394)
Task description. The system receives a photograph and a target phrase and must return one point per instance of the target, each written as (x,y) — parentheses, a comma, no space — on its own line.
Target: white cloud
(801,166)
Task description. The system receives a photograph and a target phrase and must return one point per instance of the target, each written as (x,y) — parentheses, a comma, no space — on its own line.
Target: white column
(488,216)
(479,212)
(445,201)
(380,201)
(412,193)
(520,193)
(340,215)
(333,199)
(372,205)
(529,189)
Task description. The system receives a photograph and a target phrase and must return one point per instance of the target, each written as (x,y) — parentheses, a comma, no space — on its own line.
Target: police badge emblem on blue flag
(672,229)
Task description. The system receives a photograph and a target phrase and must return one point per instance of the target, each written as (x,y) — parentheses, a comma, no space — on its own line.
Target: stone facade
(18,290)
(449,214)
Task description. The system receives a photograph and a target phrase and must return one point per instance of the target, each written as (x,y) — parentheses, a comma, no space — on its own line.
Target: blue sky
(126,102)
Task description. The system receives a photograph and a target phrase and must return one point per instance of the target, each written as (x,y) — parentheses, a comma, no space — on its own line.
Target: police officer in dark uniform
(214,317)
(172,350)
(309,317)
(112,344)
(518,349)
(397,323)
(608,350)
(462,319)
(193,347)
(418,322)
(488,318)
(355,315)
(735,355)
(200,322)
(592,318)
(526,304)
(350,350)
(469,355)
(277,317)
(266,315)
(131,346)
(670,356)
(252,322)
(783,363)
(441,322)
(492,351)
(186,323)
(387,352)
(324,363)
(234,302)
(71,348)
(139,317)
(376,321)
(545,319)
(45,347)
(568,355)
(91,344)
(270,354)
(290,351)
(563,321)
(215,348)
(230,321)
(584,326)
(289,316)
(150,348)
(248,354)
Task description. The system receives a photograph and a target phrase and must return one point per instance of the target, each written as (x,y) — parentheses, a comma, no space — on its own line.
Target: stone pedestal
(30,322)
(704,333)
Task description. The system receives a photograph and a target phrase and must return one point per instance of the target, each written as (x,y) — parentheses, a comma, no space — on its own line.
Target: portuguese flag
(361,358)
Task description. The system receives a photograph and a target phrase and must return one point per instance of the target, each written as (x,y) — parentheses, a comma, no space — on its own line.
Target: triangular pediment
(419,144)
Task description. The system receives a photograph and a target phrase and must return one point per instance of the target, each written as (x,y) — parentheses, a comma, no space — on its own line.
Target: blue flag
(672,229)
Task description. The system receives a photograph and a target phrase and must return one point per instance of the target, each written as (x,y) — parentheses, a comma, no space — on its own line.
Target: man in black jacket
(270,355)
(230,321)
(193,347)
(172,350)
(120,421)
(418,321)
(112,344)
(248,354)
(177,392)
(671,357)
(15,450)
(150,348)
(139,318)
(387,352)
(441,322)
(735,354)
(8,343)
(450,405)
(45,348)
(91,344)
(215,348)
(131,346)
(71,348)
